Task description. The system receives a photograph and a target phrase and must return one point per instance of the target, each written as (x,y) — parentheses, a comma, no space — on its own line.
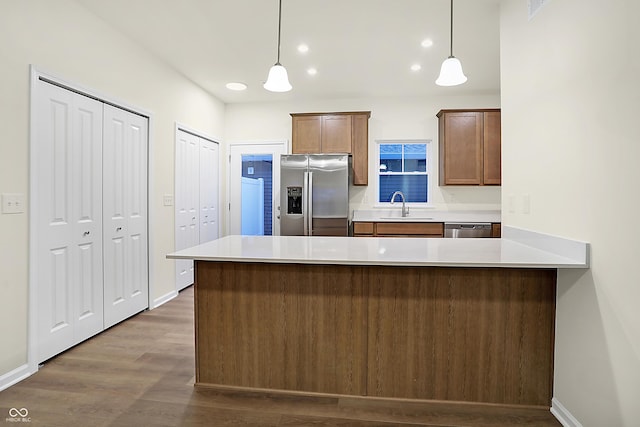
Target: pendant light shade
(451,73)
(278,79)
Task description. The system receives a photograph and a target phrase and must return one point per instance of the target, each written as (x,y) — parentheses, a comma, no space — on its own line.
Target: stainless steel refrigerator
(314,195)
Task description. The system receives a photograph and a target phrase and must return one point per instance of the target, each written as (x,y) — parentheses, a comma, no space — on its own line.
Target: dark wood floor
(141,373)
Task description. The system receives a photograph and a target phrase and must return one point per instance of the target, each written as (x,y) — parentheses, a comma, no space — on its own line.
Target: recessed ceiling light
(303,48)
(312,71)
(416,67)
(427,43)
(236,86)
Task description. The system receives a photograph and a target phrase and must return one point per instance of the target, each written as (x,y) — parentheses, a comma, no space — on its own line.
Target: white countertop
(441,252)
(424,215)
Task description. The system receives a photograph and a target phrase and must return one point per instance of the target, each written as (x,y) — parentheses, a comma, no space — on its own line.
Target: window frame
(429,174)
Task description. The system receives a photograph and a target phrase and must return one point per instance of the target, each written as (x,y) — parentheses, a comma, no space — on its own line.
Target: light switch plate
(12,203)
(167,200)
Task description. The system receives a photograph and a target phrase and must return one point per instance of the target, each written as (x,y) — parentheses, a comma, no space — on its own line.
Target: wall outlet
(167,200)
(12,203)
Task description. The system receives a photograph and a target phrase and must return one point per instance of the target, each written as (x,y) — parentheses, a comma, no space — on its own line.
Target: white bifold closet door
(187,200)
(196,198)
(68,218)
(209,192)
(125,214)
(90,213)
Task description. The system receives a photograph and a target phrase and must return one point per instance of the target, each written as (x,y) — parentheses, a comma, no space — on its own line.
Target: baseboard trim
(563,415)
(15,376)
(163,299)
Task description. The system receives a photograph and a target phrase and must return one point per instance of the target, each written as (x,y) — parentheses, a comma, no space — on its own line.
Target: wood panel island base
(468,334)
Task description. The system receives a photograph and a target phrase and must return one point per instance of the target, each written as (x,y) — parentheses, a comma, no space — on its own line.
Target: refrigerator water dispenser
(294,200)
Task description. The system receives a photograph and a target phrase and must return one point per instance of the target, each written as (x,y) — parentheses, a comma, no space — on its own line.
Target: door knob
(119,229)
(86,233)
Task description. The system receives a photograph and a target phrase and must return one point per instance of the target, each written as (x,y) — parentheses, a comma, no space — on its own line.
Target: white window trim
(376,185)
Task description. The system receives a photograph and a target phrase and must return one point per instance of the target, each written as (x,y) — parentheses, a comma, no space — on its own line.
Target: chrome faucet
(405,210)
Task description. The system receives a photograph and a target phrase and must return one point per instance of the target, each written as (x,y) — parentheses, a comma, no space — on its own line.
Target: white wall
(570,104)
(391,118)
(62,38)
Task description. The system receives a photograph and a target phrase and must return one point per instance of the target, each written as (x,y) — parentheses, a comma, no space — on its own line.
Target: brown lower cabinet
(429,333)
(408,229)
(398,229)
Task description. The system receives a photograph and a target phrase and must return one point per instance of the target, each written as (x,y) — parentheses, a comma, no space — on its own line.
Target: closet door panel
(125,214)
(187,209)
(87,213)
(136,150)
(69,203)
(55,198)
(208,191)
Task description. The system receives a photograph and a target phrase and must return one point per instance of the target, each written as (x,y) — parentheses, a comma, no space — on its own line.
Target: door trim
(37,74)
(284,143)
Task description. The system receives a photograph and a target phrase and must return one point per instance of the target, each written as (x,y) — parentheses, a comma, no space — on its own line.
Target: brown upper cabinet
(346,132)
(469,145)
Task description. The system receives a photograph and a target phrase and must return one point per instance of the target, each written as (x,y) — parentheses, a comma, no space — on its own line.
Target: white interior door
(187,202)
(68,181)
(209,190)
(236,171)
(126,272)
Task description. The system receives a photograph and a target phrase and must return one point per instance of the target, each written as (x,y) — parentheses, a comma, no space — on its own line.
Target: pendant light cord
(279,26)
(451,27)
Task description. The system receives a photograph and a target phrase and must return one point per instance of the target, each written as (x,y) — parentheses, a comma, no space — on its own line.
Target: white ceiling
(360,48)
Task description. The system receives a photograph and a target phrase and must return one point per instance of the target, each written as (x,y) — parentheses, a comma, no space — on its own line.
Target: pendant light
(278,80)
(451,71)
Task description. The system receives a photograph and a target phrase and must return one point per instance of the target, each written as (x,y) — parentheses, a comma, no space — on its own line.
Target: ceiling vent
(534,6)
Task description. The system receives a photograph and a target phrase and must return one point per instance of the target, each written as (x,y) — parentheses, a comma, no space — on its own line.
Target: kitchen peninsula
(426,318)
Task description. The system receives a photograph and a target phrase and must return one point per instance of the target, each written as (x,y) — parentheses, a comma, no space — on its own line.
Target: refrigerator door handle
(305,204)
(310,203)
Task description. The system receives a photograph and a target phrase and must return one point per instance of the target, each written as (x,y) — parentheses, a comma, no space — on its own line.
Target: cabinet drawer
(410,228)
(362,228)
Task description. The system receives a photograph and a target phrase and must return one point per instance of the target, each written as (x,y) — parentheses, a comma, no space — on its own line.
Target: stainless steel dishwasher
(460,230)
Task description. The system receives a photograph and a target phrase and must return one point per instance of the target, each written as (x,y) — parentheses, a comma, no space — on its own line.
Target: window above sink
(403,165)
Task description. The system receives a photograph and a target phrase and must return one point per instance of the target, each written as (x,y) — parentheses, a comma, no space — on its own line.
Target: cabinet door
(408,229)
(461,148)
(336,134)
(360,149)
(306,134)
(492,150)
